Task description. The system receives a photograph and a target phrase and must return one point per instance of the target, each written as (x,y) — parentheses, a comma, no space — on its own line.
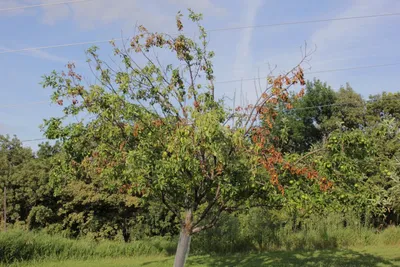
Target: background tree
(383,105)
(349,110)
(307,123)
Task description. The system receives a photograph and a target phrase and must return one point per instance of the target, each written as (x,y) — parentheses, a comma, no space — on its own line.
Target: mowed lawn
(368,256)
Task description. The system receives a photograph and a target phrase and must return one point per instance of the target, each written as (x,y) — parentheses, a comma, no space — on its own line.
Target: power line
(34,140)
(328,105)
(304,22)
(355,68)
(212,30)
(293,109)
(321,71)
(236,80)
(58,46)
(43,5)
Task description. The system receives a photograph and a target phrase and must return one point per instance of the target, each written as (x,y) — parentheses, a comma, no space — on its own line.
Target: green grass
(368,256)
(18,245)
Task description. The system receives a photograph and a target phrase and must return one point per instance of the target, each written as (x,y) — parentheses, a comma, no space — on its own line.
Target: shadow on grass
(163,262)
(314,258)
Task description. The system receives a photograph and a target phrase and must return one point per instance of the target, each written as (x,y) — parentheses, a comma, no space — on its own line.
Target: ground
(368,256)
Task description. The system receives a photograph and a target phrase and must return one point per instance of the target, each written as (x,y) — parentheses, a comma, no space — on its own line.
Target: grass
(367,256)
(318,245)
(18,245)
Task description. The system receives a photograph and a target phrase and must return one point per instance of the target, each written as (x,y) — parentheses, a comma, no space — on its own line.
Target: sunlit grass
(368,256)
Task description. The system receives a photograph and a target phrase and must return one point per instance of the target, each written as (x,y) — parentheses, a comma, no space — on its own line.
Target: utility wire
(350,104)
(232,81)
(34,140)
(43,5)
(8,51)
(315,72)
(304,22)
(329,105)
(212,30)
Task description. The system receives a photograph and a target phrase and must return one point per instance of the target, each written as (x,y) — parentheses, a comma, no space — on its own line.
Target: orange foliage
(269,157)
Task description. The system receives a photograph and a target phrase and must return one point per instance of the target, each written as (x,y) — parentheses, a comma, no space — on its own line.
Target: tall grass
(260,231)
(253,232)
(19,245)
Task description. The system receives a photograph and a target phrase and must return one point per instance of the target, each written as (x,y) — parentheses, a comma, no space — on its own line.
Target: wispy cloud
(40,54)
(342,42)
(155,15)
(244,59)
(47,56)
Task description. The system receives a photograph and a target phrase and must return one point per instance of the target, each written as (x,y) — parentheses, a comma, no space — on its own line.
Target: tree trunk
(182,251)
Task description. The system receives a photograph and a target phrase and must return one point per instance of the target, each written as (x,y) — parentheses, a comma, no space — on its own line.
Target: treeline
(354,143)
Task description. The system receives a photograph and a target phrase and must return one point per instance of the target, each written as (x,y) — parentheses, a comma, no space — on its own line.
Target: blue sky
(239,53)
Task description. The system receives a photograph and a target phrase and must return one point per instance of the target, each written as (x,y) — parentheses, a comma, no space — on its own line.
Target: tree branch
(212,203)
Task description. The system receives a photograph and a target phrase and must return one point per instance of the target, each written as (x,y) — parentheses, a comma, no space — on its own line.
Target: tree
(27,182)
(161,133)
(363,166)
(350,109)
(383,105)
(299,128)
(12,157)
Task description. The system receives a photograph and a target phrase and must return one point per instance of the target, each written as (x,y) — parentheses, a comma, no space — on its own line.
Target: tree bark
(182,250)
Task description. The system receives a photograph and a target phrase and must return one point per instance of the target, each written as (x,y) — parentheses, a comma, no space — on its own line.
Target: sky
(240,54)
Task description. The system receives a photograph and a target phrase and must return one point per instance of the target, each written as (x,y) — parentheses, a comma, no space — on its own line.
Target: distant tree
(383,105)
(161,133)
(26,179)
(350,109)
(364,168)
(46,150)
(307,123)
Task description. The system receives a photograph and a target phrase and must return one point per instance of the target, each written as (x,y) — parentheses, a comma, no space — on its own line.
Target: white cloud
(6,4)
(41,55)
(154,14)
(47,56)
(244,58)
(243,61)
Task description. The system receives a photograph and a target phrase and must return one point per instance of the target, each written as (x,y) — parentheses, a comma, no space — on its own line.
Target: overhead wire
(7,51)
(235,80)
(43,5)
(350,104)
(34,140)
(304,22)
(211,30)
(315,72)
